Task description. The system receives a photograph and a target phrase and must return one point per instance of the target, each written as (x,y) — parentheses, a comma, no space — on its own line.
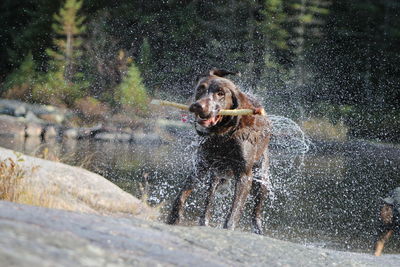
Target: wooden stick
(223,112)
(168,103)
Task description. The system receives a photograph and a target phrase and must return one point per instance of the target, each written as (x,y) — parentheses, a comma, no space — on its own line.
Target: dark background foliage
(335,59)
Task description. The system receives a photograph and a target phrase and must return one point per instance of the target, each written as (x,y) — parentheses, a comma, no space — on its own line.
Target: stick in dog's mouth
(222,112)
(211,121)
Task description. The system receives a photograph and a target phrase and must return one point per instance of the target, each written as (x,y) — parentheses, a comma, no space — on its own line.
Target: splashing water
(287,135)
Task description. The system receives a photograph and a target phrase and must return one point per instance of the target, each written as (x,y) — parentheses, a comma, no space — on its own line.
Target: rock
(35,236)
(52,117)
(147,138)
(127,130)
(8,106)
(31,144)
(50,132)
(172,123)
(79,133)
(174,127)
(71,133)
(122,137)
(11,126)
(33,129)
(30,116)
(20,111)
(90,131)
(56,185)
(6,111)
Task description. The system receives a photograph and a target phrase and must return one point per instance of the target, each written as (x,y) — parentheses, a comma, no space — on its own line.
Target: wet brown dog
(235,146)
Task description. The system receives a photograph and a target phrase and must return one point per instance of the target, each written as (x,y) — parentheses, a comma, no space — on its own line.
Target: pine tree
(70,26)
(131,93)
(63,83)
(306,19)
(272,25)
(145,60)
(145,55)
(275,47)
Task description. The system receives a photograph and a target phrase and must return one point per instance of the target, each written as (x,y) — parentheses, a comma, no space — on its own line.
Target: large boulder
(57,185)
(48,113)
(12,126)
(33,129)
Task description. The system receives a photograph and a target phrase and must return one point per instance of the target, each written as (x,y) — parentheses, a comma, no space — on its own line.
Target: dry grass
(50,153)
(91,109)
(44,152)
(322,129)
(20,92)
(13,184)
(11,175)
(44,199)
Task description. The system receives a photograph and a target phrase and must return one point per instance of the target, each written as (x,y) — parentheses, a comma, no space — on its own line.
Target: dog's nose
(196,107)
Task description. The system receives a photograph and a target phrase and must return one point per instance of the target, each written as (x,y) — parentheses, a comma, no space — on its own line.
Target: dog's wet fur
(236,146)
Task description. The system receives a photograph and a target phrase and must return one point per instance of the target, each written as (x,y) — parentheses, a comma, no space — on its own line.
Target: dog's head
(214,92)
(386,214)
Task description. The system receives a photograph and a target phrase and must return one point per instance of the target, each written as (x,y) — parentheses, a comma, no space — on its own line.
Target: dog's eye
(220,93)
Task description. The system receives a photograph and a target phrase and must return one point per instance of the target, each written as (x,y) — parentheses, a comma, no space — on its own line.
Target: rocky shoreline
(20,119)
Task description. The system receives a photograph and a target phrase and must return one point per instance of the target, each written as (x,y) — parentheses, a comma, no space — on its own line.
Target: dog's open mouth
(209,121)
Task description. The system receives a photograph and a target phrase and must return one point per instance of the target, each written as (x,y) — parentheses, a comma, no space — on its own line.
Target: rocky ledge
(35,236)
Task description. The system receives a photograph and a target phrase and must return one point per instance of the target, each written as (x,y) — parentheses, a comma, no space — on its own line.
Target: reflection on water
(324,199)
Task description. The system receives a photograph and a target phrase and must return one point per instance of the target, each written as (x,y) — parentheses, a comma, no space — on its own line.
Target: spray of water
(287,135)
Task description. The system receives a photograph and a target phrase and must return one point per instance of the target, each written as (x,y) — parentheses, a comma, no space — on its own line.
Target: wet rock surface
(11,126)
(34,236)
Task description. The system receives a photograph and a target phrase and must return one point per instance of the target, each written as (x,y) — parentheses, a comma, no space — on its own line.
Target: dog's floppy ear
(235,99)
(222,72)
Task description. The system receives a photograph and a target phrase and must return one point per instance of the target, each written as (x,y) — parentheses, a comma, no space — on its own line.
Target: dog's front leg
(242,189)
(213,185)
(386,230)
(260,190)
(177,206)
(260,195)
(381,242)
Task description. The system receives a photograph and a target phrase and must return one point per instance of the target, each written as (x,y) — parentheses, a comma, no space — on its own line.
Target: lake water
(326,199)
